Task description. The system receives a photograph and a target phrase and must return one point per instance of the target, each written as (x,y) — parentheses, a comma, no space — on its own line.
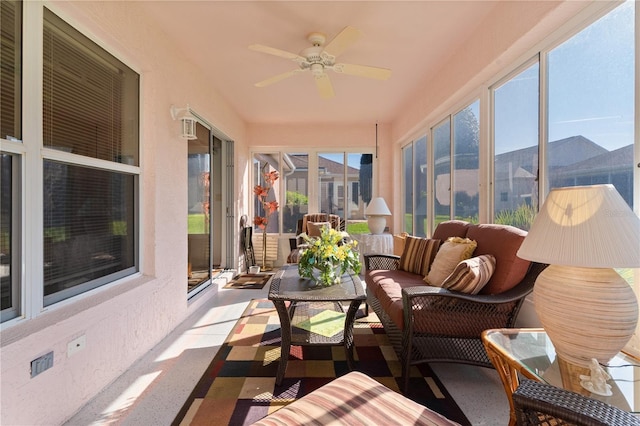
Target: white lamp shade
(587,309)
(376,212)
(377,207)
(589,226)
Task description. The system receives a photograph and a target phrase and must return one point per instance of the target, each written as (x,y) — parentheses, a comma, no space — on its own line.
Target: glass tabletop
(533,351)
(287,284)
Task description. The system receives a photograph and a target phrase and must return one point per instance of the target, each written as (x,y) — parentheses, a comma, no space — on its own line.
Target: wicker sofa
(432,324)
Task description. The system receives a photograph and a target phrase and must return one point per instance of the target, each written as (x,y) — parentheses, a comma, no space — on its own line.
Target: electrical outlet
(41,364)
(76,345)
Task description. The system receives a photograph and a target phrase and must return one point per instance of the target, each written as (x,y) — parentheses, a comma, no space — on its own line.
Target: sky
(591,89)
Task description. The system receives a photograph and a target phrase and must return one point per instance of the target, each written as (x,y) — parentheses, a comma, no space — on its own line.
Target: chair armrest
(433,310)
(381,261)
(293,243)
(539,403)
(522,289)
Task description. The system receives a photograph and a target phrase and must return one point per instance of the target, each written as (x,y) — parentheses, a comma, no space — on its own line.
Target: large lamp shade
(587,309)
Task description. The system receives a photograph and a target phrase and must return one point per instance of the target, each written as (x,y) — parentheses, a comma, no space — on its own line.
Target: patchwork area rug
(248,281)
(238,387)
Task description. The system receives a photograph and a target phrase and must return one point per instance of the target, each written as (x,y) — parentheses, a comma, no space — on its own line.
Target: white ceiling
(412,38)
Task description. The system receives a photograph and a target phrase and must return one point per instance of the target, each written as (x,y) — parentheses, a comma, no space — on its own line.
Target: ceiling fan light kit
(320,57)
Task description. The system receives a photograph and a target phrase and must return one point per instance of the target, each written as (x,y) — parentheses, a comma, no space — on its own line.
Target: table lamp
(587,309)
(376,213)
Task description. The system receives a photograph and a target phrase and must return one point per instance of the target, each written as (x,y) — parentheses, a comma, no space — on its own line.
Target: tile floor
(153,390)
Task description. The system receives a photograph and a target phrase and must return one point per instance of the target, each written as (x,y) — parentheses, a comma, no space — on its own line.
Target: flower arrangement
(328,257)
(269,207)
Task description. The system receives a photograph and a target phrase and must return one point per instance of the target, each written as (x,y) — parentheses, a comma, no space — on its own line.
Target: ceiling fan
(320,57)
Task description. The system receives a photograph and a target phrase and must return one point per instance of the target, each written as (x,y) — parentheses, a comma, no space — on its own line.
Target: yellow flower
(331,253)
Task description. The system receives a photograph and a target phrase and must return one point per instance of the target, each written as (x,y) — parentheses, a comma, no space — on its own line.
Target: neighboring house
(564,157)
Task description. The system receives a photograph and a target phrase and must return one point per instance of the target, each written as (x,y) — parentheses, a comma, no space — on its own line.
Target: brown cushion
(452,252)
(451,228)
(418,254)
(471,275)
(314,229)
(503,242)
(387,285)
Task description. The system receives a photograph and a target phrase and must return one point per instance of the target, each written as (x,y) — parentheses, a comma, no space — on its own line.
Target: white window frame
(33,154)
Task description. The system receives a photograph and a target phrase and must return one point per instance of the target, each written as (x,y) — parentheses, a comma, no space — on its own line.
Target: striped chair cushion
(418,254)
(471,275)
(354,399)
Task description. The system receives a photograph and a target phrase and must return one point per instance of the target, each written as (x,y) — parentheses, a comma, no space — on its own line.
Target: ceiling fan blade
(363,71)
(277,52)
(325,88)
(342,41)
(277,78)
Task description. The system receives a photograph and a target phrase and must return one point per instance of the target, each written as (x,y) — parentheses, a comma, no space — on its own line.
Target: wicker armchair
(297,244)
(539,403)
(446,326)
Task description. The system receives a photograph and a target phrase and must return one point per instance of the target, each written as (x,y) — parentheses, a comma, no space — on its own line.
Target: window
(265,163)
(10,77)
(591,105)
(466,180)
(337,183)
(407,173)
(442,170)
(9,242)
(591,111)
(89,206)
(420,186)
(334,169)
(414,166)
(296,184)
(515,164)
(10,131)
(199,208)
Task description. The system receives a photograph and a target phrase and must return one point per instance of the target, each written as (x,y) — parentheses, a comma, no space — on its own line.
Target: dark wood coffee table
(304,299)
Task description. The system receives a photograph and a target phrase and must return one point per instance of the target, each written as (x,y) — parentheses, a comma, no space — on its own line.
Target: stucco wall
(125,320)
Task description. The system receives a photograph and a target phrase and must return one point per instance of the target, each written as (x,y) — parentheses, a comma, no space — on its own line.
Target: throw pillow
(314,229)
(453,251)
(471,275)
(418,254)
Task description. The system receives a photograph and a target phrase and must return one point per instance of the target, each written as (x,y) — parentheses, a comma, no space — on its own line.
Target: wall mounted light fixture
(187,121)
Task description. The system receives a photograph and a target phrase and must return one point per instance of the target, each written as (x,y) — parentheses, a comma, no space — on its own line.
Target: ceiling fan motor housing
(317,69)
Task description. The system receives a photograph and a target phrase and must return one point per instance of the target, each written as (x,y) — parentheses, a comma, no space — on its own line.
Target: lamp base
(586,312)
(376,224)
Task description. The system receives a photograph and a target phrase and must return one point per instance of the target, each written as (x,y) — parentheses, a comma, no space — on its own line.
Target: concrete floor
(153,390)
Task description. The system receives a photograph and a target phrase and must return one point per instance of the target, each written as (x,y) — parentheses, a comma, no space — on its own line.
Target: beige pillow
(417,255)
(451,252)
(314,229)
(471,275)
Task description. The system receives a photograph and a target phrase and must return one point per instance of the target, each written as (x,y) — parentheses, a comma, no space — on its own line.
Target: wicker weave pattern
(298,245)
(445,326)
(543,404)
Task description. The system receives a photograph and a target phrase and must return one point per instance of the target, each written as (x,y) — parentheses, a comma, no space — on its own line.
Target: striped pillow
(470,275)
(418,254)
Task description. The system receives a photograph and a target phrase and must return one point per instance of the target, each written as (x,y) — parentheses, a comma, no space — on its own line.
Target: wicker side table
(294,297)
(528,352)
